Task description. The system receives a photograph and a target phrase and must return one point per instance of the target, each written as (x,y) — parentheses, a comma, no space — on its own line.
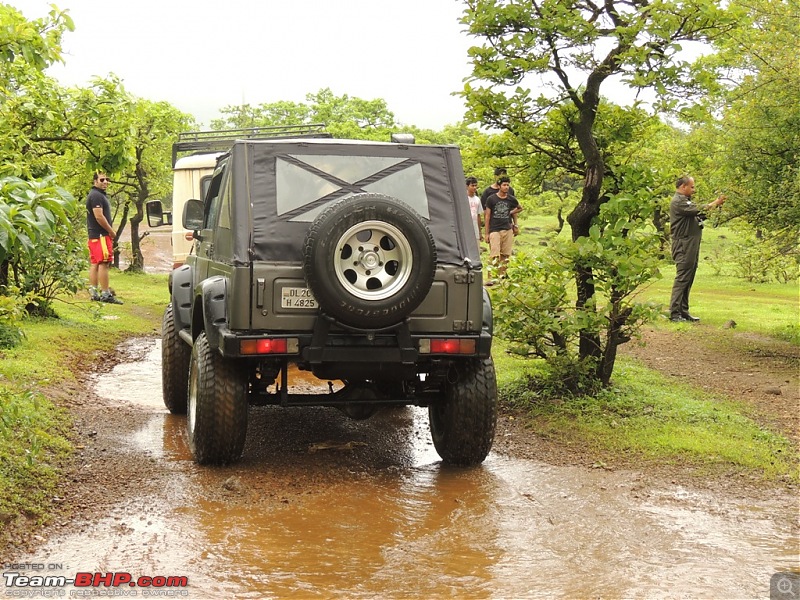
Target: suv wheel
(370,260)
(217,415)
(175,357)
(462,425)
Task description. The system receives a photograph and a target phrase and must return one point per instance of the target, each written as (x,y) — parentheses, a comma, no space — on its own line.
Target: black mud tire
(217,406)
(370,260)
(463,424)
(175,357)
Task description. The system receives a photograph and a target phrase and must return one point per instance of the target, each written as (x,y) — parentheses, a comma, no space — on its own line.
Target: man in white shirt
(475,207)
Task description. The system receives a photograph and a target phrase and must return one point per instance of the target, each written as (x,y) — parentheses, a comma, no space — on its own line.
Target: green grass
(33,443)
(766,308)
(34,432)
(648,417)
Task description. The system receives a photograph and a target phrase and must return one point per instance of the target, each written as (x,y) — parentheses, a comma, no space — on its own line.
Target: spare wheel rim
(373,260)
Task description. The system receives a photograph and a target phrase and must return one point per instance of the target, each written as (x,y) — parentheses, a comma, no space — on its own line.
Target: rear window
(307,183)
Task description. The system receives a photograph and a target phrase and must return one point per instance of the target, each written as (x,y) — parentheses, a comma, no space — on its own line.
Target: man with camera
(686,229)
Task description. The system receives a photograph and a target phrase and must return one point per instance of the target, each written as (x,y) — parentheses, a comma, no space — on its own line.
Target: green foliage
(765,260)
(749,130)
(30,213)
(548,323)
(40,254)
(12,311)
(55,269)
(36,43)
(33,443)
(31,104)
(101,125)
(344,116)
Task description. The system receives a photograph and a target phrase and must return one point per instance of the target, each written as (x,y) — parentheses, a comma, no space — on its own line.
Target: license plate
(297,297)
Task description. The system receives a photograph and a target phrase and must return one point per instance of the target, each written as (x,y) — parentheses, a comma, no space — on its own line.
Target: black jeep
(353,260)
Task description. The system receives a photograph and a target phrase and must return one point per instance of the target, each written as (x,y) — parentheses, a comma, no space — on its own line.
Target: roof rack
(219,141)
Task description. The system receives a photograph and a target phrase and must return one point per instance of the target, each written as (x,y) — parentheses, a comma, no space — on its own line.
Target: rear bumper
(345,347)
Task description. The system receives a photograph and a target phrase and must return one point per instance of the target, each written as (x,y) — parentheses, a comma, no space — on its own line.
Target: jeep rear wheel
(175,357)
(370,260)
(217,407)
(463,423)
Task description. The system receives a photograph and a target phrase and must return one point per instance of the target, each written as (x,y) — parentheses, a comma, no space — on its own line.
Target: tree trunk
(560,217)
(660,223)
(137,258)
(122,223)
(580,220)
(614,338)
(143,192)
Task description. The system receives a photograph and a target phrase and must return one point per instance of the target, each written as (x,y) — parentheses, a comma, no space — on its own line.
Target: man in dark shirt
(686,229)
(101,233)
(495,187)
(501,209)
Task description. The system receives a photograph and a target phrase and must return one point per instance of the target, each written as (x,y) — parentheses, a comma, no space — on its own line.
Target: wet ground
(325,507)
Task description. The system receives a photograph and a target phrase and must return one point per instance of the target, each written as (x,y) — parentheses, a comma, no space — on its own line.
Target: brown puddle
(385,519)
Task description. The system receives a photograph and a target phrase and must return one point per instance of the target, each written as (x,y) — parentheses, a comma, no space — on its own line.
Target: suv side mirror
(193,215)
(156,215)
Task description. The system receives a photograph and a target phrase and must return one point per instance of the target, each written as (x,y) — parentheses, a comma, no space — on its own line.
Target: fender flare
(212,299)
(487,327)
(180,288)
(488,317)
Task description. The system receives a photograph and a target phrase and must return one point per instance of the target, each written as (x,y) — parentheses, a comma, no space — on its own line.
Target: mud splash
(383,518)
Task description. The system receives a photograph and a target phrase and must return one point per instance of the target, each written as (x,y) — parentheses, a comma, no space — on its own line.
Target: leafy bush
(40,253)
(56,268)
(765,260)
(533,308)
(12,310)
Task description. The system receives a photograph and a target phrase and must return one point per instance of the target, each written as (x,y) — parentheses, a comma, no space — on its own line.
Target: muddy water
(381,517)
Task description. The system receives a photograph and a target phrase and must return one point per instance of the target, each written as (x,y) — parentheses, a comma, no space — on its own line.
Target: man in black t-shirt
(495,187)
(101,233)
(501,209)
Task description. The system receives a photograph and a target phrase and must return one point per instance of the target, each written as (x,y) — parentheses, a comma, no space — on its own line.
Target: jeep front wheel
(370,260)
(217,407)
(463,423)
(175,357)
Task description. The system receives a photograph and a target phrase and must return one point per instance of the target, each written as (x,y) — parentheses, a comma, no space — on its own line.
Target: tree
(576,46)
(281,113)
(29,100)
(344,116)
(34,210)
(50,135)
(759,133)
(156,126)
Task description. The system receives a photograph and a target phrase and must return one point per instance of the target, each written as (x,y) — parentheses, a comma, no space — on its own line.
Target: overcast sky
(201,55)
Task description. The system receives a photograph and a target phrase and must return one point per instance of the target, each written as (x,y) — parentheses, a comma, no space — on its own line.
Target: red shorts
(100,250)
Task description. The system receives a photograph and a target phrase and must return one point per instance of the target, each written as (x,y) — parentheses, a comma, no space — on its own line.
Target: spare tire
(369,260)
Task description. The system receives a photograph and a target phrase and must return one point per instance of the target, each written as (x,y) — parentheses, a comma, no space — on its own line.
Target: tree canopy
(759,132)
(344,116)
(567,50)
